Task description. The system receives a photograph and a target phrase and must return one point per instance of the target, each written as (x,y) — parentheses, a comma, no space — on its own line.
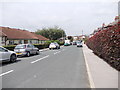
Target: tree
(70,38)
(52,33)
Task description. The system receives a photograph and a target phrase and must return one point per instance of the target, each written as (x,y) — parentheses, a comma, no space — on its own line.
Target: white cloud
(73,17)
(59,1)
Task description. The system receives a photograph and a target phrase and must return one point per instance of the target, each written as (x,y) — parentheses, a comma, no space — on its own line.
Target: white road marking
(57,52)
(40,59)
(6,73)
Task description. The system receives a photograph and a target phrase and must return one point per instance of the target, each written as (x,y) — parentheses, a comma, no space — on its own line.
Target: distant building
(116,20)
(81,37)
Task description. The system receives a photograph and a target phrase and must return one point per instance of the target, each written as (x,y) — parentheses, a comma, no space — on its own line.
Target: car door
(34,49)
(29,48)
(4,54)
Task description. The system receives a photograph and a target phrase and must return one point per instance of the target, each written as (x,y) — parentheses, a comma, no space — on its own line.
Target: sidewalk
(101,74)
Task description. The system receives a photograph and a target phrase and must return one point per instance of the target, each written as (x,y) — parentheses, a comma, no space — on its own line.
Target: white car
(79,44)
(54,45)
(7,55)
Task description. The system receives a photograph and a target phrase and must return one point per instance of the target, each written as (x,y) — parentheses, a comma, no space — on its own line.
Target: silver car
(26,50)
(7,55)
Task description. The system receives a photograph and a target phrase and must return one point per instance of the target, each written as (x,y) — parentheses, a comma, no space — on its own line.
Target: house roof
(40,37)
(2,34)
(12,33)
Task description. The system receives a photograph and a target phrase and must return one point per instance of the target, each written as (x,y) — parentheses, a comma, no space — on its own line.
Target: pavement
(101,74)
(63,68)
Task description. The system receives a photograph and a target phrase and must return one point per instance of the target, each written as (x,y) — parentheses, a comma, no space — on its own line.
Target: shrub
(106,44)
(10,47)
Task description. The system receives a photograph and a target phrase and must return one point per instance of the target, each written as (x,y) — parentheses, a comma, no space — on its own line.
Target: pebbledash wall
(12,42)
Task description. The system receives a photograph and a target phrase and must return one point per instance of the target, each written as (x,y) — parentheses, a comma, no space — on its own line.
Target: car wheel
(13,58)
(28,54)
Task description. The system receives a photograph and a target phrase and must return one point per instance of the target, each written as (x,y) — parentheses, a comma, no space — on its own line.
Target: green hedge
(39,46)
(10,47)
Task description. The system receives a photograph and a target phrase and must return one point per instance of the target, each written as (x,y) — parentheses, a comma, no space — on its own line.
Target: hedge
(106,44)
(10,47)
(39,46)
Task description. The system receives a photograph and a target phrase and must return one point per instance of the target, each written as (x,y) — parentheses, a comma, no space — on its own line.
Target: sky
(73,16)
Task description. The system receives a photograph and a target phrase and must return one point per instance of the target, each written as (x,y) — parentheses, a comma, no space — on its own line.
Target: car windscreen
(20,46)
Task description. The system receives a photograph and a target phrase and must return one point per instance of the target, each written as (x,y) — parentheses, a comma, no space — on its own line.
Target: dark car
(74,43)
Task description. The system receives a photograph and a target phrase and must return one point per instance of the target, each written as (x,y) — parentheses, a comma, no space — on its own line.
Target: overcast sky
(71,15)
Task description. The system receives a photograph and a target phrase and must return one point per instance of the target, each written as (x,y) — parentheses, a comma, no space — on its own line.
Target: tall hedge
(106,44)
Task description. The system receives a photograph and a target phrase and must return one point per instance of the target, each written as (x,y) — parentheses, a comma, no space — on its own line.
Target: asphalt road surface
(63,68)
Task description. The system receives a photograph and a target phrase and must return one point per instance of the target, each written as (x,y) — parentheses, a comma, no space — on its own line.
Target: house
(2,38)
(41,39)
(12,36)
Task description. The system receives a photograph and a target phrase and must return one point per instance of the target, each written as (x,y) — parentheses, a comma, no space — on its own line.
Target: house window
(30,41)
(11,42)
(3,40)
(20,41)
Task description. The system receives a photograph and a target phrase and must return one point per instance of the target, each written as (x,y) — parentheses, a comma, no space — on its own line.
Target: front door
(25,41)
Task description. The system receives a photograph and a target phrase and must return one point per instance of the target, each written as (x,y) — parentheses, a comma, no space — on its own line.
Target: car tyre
(28,54)
(13,58)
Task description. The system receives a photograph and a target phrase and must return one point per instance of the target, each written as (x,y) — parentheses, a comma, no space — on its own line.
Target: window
(30,41)
(20,41)
(2,49)
(11,42)
(29,46)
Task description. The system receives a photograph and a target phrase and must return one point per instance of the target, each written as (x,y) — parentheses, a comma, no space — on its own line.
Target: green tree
(70,38)
(52,33)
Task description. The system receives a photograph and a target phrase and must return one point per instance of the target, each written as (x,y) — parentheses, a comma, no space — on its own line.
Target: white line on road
(92,85)
(6,73)
(57,52)
(40,59)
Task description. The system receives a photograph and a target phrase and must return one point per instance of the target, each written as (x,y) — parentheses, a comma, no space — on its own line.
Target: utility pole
(82,32)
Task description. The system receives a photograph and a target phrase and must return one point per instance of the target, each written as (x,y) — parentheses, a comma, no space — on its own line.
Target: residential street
(63,68)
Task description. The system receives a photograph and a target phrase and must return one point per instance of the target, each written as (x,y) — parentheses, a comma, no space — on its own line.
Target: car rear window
(52,44)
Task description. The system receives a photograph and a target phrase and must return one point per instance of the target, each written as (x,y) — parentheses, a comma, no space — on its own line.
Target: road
(64,68)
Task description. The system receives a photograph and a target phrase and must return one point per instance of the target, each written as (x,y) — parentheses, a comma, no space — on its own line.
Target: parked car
(26,50)
(74,43)
(54,45)
(67,43)
(7,55)
(79,44)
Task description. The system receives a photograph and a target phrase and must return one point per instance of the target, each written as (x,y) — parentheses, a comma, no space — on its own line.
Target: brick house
(12,36)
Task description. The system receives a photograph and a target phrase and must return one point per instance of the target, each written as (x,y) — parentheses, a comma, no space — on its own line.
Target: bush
(106,44)
(39,46)
(10,47)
